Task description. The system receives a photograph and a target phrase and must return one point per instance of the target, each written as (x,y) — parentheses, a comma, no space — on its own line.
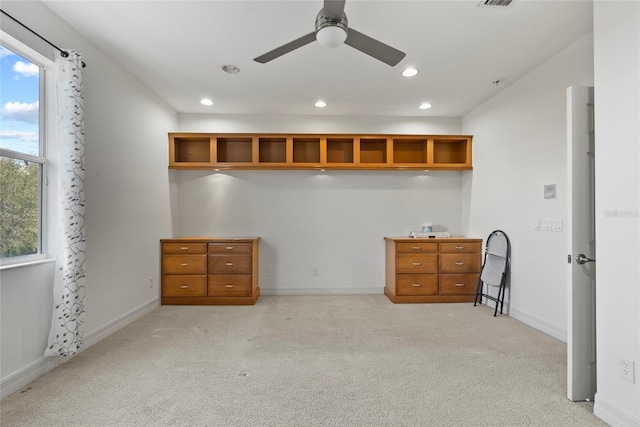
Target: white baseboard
(612,414)
(119,323)
(322,291)
(21,378)
(539,324)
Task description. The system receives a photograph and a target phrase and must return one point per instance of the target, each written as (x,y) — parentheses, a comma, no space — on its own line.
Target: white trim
(20,379)
(612,414)
(16,262)
(119,323)
(47,131)
(322,291)
(538,323)
(24,50)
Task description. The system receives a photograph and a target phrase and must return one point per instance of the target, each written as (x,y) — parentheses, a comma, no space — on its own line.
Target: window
(22,156)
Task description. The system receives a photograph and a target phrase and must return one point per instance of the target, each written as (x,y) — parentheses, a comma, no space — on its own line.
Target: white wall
(333,221)
(617,124)
(519,146)
(318,124)
(519,134)
(128,205)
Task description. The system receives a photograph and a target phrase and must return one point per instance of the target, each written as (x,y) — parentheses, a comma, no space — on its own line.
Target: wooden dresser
(210,271)
(432,270)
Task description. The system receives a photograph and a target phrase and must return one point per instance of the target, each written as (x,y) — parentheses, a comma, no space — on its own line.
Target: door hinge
(569,258)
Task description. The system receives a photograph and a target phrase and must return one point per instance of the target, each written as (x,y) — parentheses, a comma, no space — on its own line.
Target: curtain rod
(63,53)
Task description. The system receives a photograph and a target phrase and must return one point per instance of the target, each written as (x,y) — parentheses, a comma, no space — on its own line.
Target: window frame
(46,126)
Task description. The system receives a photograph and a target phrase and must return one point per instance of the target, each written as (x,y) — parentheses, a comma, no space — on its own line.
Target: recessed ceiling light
(206,101)
(410,72)
(231,69)
(320,104)
(424,106)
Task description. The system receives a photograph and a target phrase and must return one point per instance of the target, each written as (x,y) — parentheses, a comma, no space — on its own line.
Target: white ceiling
(178,47)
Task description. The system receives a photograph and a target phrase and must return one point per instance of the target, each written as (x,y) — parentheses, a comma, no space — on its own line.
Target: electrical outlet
(267,272)
(627,369)
(150,282)
(314,272)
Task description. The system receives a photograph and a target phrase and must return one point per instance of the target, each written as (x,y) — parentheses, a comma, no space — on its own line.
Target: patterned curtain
(67,326)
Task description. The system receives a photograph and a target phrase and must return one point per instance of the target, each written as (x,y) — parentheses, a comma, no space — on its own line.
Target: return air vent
(492,3)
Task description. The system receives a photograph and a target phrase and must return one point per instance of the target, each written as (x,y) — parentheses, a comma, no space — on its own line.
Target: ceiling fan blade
(279,51)
(373,47)
(334,9)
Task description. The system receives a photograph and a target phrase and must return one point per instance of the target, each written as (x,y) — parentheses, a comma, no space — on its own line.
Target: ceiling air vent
(491,3)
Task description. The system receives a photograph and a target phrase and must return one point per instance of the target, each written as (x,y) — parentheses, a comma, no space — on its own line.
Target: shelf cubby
(272,149)
(306,150)
(450,151)
(409,151)
(373,150)
(339,150)
(192,150)
(234,149)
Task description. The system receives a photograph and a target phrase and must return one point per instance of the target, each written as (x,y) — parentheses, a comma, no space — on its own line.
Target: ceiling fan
(332,29)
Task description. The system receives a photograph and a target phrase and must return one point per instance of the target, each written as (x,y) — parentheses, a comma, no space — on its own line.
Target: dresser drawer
(453,263)
(184,248)
(229,247)
(416,247)
(229,285)
(234,264)
(417,263)
(416,284)
(452,284)
(475,247)
(184,264)
(183,286)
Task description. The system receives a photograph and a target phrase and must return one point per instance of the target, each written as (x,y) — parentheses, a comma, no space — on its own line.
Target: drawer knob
(184,264)
(184,286)
(228,286)
(228,264)
(459,248)
(459,284)
(230,248)
(416,263)
(184,248)
(416,285)
(416,248)
(459,263)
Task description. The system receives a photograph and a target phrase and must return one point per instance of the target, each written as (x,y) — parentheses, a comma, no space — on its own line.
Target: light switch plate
(552,224)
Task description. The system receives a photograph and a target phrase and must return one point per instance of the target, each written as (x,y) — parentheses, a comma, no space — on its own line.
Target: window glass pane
(20,103)
(19,207)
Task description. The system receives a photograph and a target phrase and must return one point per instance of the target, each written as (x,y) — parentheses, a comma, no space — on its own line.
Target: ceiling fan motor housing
(331,25)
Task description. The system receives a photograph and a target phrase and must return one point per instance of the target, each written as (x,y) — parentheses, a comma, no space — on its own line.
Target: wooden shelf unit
(319,151)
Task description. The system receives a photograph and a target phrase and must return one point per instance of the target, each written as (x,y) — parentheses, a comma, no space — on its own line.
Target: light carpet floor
(340,360)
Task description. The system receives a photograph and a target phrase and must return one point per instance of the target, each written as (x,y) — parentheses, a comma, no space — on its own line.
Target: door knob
(583,259)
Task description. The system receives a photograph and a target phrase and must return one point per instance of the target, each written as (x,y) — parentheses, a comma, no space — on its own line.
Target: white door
(581,339)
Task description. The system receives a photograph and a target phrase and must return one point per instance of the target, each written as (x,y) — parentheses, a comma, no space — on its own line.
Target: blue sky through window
(19,103)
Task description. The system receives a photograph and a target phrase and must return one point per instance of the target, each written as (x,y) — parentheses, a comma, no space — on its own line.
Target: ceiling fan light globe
(331,36)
